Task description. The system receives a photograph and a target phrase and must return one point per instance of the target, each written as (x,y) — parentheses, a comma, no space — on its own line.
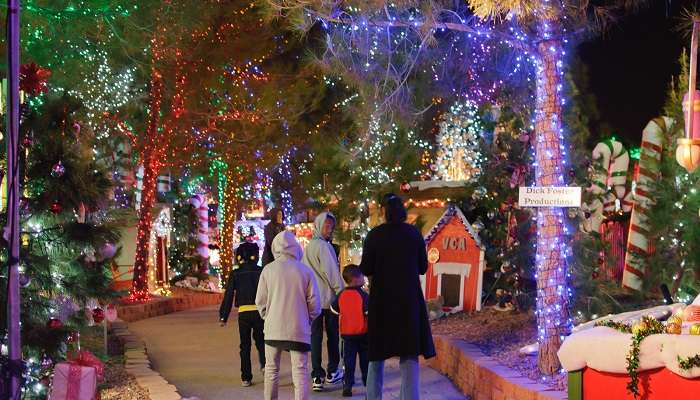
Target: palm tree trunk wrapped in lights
(552,292)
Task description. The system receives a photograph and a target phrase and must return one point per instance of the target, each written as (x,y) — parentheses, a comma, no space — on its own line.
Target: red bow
(87,359)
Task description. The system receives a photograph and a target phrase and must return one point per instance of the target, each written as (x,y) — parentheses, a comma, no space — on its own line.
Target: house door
(450,289)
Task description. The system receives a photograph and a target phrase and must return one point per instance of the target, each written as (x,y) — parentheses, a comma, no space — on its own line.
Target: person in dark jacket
(275,226)
(241,290)
(351,305)
(394,257)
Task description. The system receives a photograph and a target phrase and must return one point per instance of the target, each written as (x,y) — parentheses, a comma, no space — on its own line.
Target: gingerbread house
(455,262)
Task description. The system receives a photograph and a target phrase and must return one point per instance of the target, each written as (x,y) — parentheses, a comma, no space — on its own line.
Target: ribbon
(86,359)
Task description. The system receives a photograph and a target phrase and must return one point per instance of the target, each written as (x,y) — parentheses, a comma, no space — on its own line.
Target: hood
(318,223)
(285,245)
(247,253)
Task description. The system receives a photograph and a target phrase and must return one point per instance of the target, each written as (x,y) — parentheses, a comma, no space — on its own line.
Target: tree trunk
(228,225)
(553,314)
(139,287)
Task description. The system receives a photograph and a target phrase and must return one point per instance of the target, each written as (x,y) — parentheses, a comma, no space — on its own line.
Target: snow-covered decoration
(605,349)
(452,211)
(458,157)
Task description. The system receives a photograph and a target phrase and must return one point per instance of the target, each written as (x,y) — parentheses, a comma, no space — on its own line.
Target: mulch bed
(500,335)
(118,384)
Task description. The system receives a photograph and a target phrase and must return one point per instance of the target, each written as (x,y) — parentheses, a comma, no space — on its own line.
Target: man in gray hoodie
(321,257)
(288,300)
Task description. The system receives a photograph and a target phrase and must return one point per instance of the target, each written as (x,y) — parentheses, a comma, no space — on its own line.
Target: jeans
(352,348)
(333,338)
(409,379)
(300,373)
(250,322)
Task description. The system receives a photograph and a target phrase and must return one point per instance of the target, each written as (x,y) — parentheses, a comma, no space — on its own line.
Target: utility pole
(11,233)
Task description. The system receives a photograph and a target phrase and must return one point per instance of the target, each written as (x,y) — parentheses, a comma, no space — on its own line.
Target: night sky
(632,64)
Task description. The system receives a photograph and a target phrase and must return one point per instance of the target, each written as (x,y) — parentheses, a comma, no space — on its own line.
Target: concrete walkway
(191,351)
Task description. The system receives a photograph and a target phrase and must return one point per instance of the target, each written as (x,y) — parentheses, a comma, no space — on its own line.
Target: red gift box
(77,378)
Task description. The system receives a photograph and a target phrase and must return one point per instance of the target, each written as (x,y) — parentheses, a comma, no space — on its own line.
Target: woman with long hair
(394,256)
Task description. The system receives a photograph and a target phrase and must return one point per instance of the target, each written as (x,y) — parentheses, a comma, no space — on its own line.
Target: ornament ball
(54,323)
(98,315)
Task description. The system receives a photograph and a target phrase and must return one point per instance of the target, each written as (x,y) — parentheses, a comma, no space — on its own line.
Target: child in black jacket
(243,281)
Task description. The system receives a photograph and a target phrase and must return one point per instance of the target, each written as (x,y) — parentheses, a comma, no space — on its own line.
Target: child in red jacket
(351,304)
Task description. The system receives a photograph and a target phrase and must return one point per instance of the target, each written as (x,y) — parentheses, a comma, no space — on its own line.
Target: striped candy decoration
(614,160)
(638,241)
(139,187)
(691,314)
(199,202)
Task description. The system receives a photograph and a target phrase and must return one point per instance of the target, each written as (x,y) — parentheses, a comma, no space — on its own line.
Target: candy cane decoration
(202,207)
(139,187)
(163,183)
(638,242)
(614,160)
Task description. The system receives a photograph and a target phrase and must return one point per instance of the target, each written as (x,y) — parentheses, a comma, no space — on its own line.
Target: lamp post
(11,233)
(688,150)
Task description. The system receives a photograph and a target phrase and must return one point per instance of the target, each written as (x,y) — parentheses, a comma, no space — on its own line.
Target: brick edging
(183,300)
(137,364)
(481,377)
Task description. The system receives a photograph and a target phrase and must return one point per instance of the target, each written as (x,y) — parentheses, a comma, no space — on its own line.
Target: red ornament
(98,315)
(56,207)
(74,337)
(405,187)
(54,323)
(33,79)
(595,275)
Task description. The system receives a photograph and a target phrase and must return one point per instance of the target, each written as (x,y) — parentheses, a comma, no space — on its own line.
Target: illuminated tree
(458,155)
(395,47)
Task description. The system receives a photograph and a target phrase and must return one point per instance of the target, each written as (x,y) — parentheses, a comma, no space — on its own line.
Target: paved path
(192,352)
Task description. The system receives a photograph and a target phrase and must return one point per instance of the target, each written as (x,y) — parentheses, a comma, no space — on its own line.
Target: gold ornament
(639,327)
(673,329)
(695,329)
(675,319)
(433,255)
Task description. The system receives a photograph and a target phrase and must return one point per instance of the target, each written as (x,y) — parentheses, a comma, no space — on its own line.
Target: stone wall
(182,299)
(482,378)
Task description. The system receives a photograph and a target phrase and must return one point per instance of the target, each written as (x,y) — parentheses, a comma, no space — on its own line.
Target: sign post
(549,196)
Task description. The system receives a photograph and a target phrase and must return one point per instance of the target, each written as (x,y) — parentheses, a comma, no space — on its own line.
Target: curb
(138,365)
(483,378)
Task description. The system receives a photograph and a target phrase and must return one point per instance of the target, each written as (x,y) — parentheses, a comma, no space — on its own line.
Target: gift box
(77,379)
(73,382)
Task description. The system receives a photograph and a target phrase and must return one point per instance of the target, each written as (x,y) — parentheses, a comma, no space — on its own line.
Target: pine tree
(457,156)
(68,235)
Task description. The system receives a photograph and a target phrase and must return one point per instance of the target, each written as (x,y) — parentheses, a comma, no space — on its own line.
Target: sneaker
(347,392)
(246,383)
(317,385)
(335,377)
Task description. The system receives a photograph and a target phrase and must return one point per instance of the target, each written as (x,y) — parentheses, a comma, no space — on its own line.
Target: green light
(635,153)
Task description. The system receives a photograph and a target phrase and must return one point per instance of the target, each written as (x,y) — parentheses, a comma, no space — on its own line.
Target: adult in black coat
(394,256)
(275,226)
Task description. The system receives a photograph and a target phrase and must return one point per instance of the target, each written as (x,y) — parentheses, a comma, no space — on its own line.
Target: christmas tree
(68,237)
(458,157)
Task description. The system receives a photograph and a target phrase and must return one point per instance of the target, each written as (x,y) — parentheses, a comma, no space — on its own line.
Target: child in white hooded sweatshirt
(288,300)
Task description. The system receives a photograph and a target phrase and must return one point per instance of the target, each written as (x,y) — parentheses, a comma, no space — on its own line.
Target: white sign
(549,196)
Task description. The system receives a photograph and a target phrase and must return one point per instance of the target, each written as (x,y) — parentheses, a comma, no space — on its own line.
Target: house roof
(453,211)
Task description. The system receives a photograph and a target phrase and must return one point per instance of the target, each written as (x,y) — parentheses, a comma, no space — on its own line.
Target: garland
(619,326)
(647,326)
(689,362)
